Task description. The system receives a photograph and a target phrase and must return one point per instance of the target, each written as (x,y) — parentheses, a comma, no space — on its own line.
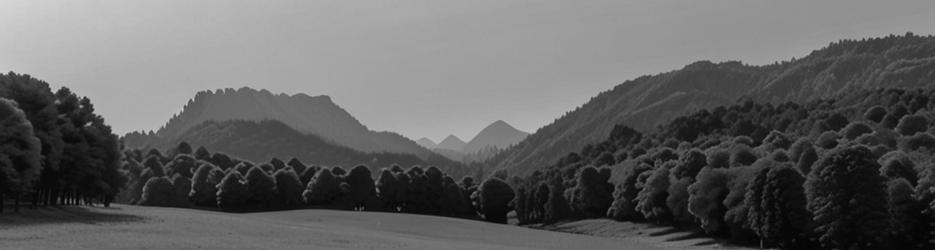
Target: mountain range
(648,101)
(317,115)
(260,141)
(490,140)
(257,125)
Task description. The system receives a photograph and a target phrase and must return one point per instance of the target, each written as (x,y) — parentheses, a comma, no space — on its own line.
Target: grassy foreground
(659,236)
(123,227)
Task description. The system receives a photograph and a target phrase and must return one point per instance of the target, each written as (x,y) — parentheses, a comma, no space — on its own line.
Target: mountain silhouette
(648,101)
(316,115)
(498,135)
(426,143)
(451,143)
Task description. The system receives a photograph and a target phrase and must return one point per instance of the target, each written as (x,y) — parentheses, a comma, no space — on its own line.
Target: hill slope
(645,102)
(260,141)
(317,115)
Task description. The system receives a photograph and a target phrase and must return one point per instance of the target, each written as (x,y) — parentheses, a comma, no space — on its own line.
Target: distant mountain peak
(452,142)
(452,139)
(498,134)
(500,125)
(426,143)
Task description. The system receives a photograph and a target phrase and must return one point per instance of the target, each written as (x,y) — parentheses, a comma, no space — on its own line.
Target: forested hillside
(263,140)
(646,102)
(317,115)
(855,171)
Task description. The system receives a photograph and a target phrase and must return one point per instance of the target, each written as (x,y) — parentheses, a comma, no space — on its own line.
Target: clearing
(138,227)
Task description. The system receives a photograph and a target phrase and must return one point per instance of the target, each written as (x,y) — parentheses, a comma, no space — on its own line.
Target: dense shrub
(362,190)
(718,158)
(260,185)
(624,206)
(909,224)
(808,158)
(741,155)
(856,129)
(651,200)
(680,177)
(776,140)
(308,174)
(779,156)
(387,189)
(338,171)
(181,186)
(592,193)
(777,207)
(183,164)
(158,191)
(736,215)
(896,165)
(232,192)
(706,198)
(875,114)
(912,124)
(827,140)
(277,164)
(322,189)
(297,166)
(204,185)
(892,118)
(556,207)
(453,202)
(202,154)
(495,196)
(289,188)
(918,141)
(154,164)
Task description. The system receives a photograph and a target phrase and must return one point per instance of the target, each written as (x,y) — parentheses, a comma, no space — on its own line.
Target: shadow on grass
(66,214)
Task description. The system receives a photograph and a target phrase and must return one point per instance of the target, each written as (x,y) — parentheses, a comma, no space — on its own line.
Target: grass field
(170,228)
(658,236)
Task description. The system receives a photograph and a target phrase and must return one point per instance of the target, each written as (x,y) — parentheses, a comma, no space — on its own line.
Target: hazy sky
(420,68)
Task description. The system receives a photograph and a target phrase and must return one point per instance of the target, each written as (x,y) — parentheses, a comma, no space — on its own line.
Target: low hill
(649,101)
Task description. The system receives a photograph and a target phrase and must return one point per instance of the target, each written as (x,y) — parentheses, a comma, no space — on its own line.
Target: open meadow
(122,227)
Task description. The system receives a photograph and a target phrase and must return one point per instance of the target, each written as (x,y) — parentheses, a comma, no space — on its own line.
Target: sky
(424,68)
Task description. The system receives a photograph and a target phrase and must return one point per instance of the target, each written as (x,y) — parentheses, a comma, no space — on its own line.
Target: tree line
(183,177)
(853,172)
(53,148)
